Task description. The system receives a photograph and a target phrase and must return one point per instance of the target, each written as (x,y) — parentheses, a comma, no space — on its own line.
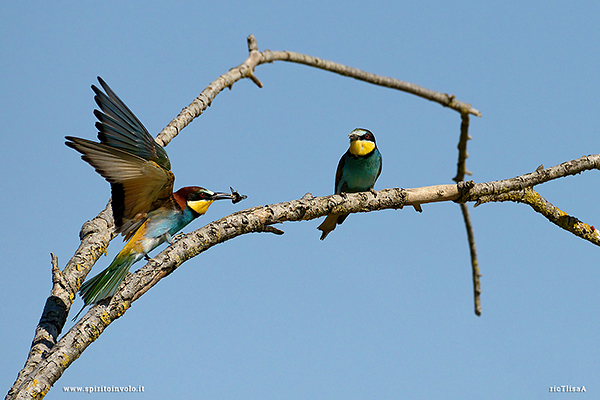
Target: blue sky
(383,307)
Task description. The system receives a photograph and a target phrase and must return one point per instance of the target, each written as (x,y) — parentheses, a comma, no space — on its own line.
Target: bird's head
(362,142)
(199,199)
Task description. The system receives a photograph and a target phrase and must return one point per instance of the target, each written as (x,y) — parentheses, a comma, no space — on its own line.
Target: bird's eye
(202,195)
(367,136)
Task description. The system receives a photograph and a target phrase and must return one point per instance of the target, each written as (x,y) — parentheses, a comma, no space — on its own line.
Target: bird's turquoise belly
(359,175)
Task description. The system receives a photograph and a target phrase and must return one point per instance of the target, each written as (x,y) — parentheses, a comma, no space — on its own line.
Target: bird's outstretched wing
(137,167)
(118,127)
(138,186)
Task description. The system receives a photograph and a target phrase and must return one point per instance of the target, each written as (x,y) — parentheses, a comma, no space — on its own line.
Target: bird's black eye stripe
(197,196)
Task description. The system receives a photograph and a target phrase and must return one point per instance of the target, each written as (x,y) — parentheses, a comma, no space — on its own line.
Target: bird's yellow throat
(361,147)
(200,206)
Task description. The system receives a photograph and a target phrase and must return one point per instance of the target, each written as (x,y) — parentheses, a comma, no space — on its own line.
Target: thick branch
(95,236)
(257,219)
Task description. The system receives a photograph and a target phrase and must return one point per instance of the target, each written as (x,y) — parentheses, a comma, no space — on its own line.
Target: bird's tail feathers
(105,284)
(330,222)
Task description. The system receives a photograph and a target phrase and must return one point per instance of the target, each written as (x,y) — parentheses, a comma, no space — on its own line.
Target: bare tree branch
(520,189)
(474,263)
(461,165)
(95,236)
(553,214)
(492,191)
(444,99)
(256,58)
(461,171)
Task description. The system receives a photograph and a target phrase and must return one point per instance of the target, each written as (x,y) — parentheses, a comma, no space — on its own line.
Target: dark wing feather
(338,174)
(380,165)
(118,127)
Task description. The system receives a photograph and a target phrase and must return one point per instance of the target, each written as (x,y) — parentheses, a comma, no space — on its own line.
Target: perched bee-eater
(145,209)
(357,171)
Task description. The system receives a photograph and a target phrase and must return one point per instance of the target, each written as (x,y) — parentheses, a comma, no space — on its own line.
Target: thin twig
(461,165)
(461,171)
(474,262)
(444,99)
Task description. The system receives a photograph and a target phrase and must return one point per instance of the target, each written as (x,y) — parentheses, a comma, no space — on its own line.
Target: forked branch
(256,58)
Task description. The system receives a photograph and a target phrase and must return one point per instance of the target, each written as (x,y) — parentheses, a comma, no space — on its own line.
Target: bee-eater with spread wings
(145,208)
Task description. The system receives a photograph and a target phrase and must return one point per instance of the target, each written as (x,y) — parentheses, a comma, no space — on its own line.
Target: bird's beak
(354,136)
(222,196)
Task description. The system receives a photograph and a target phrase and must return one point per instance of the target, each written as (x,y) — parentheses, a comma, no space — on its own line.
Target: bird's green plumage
(105,284)
(357,171)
